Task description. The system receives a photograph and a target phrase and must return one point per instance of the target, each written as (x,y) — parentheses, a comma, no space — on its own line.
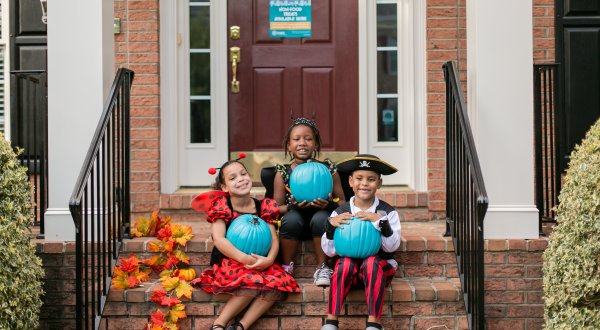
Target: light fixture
(44,4)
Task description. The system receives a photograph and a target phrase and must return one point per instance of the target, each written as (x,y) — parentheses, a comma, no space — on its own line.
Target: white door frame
(412,29)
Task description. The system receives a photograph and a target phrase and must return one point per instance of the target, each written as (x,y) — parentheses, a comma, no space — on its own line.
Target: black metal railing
(29,131)
(466,199)
(547,126)
(100,204)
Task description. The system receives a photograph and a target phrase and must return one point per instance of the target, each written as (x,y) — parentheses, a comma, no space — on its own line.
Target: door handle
(234,58)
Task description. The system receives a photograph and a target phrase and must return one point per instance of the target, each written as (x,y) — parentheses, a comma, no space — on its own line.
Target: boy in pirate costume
(375,272)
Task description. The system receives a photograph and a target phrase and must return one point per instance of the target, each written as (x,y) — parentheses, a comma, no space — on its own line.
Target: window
(387,71)
(200,97)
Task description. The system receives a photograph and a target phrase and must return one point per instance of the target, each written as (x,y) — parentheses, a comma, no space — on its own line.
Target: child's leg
(343,277)
(233,307)
(317,227)
(375,274)
(289,235)
(256,310)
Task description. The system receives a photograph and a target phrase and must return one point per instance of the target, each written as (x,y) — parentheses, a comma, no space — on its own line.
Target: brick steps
(418,256)
(410,303)
(425,292)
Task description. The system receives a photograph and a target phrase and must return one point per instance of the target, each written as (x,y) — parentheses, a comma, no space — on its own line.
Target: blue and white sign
(290,19)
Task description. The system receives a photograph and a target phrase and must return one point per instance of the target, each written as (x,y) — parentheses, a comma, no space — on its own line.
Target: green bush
(572,259)
(21,271)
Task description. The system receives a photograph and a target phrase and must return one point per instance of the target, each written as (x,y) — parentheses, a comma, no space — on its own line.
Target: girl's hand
(368,216)
(320,203)
(301,205)
(340,219)
(249,260)
(261,262)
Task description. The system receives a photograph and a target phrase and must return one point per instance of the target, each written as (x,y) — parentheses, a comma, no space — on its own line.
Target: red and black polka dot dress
(230,276)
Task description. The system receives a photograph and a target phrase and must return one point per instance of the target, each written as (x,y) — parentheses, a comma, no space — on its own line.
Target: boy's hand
(368,216)
(340,219)
(261,262)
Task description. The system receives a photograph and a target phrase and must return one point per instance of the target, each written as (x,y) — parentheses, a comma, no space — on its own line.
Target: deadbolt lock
(234,32)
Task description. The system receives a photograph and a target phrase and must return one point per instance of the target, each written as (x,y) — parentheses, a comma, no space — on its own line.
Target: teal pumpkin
(310,181)
(250,234)
(358,239)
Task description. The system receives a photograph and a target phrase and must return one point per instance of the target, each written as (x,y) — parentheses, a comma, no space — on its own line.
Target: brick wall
(543,31)
(513,284)
(58,310)
(137,48)
(446,41)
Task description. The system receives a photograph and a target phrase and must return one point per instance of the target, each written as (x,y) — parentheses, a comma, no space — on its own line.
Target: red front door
(282,78)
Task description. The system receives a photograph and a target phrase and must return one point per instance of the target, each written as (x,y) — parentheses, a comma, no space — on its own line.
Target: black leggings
(304,224)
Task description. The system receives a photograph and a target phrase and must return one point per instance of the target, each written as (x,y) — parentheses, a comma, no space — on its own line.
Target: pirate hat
(366,162)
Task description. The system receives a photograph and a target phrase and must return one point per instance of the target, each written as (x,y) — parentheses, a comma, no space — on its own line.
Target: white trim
(364,30)
(420,96)
(511,222)
(59,225)
(412,97)
(169,152)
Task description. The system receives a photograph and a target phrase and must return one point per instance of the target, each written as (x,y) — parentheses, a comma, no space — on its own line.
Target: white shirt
(388,244)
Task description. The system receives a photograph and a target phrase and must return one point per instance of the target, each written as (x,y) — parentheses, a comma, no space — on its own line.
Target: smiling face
(302,143)
(365,184)
(236,180)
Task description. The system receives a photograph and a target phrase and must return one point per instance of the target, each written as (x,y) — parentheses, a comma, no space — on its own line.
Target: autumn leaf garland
(172,239)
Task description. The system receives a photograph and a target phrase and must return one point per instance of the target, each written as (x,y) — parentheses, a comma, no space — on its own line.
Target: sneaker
(289,268)
(323,275)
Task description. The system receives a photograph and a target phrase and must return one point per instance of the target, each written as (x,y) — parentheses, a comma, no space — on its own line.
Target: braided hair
(306,122)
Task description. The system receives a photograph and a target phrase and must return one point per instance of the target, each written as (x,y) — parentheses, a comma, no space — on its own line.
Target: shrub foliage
(572,259)
(21,271)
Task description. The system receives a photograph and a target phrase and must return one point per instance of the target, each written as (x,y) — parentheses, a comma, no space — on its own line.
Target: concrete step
(409,304)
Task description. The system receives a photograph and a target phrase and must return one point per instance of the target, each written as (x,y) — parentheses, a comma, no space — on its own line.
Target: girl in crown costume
(232,271)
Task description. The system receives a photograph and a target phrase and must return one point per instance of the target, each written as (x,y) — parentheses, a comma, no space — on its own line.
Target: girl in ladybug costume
(232,271)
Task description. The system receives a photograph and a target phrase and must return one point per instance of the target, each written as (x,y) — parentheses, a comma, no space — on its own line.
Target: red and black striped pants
(373,272)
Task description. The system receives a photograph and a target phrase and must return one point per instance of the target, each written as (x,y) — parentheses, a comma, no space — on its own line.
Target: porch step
(409,304)
(424,252)
(412,205)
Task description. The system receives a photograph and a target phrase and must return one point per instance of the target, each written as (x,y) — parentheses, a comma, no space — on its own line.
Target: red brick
(525,258)
(495,284)
(405,258)
(441,258)
(402,291)
(301,323)
(534,271)
(414,243)
(425,323)
(126,323)
(285,309)
(423,271)
(266,323)
(517,244)
(509,297)
(446,291)
(504,271)
(395,323)
(535,297)
(424,291)
(537,245)
(524,284)
(199,309)
(355,323)
(496,245)
(495,324)
(525,311)
(495,311)
(313,293)
(450,308)
(359,309)
(53,247)
(494,258)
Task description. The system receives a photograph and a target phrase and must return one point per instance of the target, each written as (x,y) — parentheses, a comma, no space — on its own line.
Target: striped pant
(373,272)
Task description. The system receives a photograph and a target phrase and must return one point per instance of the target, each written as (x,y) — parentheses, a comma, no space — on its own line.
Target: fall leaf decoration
(148,227)
(171,258)
(129,274)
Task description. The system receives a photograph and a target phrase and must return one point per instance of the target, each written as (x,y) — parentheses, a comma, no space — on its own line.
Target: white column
(80,72)
(500,101)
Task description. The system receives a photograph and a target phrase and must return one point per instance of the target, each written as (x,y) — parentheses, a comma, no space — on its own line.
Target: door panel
(578,51)
(279,78)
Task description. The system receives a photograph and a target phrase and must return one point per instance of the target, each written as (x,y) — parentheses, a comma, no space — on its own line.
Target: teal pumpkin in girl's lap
(250,234)
(358,239)
(311,181)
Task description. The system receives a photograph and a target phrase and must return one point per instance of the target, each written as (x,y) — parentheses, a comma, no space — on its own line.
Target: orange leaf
(183,289)
(133,281)
(177,312)
(120,281)
(182,256)
(156,246)
(181,233)
(157,318)
(170,283)
(172,261)
(130,264)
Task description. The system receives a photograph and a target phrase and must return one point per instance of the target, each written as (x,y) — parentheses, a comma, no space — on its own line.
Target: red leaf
(133,281)
(169,301)
(157,318)
(158,295)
